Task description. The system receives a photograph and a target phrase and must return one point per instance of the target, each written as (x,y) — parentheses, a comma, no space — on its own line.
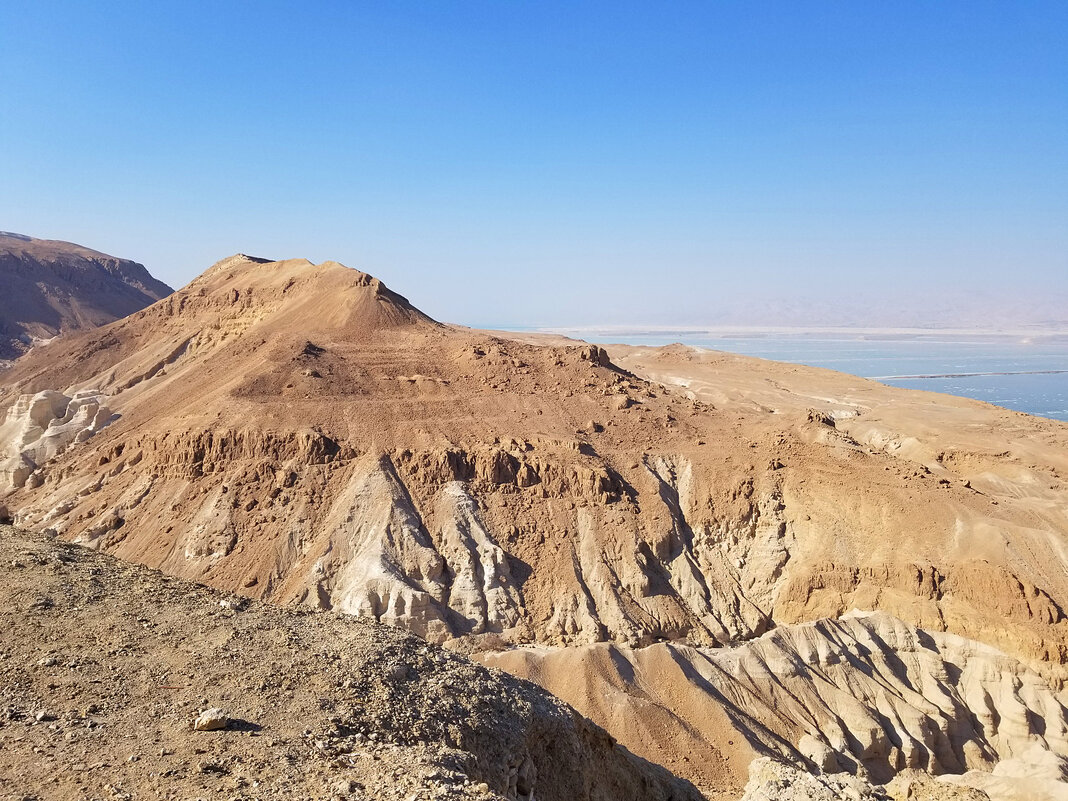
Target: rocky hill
(672,540)
(120,682)
(52,287)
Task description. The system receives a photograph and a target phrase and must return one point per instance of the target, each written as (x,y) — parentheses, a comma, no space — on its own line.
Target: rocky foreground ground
(105,667)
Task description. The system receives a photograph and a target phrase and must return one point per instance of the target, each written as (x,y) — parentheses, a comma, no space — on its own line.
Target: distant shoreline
(974,375)
(738,332)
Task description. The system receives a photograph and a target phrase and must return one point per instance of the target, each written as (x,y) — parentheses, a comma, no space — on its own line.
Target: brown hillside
(53,287)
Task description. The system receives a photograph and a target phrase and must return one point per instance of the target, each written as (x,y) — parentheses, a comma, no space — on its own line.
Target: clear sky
(549,163)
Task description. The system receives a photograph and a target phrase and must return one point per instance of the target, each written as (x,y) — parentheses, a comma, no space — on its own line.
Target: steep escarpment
(54,287)
(301,434)
(862,694)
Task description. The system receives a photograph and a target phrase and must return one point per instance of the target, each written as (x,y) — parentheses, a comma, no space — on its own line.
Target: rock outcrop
(862,694)
(40,427)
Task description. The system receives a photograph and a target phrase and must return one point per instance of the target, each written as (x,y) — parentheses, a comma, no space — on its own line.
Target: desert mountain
(53,287)
(108,665)
(718,559)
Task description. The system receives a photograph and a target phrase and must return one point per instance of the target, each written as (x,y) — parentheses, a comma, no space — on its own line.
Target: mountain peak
(300,295)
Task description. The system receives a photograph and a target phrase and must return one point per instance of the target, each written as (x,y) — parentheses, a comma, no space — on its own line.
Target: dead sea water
(1027,376)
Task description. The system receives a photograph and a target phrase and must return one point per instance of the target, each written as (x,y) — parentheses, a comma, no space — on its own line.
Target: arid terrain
(51,287)
(107,667)
(716,558)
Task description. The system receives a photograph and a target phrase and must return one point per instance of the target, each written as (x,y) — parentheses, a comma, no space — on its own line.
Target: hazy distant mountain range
(972,312)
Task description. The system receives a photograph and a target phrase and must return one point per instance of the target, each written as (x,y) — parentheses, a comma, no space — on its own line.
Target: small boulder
(211,720)
(346,787)
(819,753)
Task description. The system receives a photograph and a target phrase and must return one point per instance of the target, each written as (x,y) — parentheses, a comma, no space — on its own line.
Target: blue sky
(555,163)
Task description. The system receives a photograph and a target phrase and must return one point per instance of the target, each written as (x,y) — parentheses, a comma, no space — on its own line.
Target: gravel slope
(104,667)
